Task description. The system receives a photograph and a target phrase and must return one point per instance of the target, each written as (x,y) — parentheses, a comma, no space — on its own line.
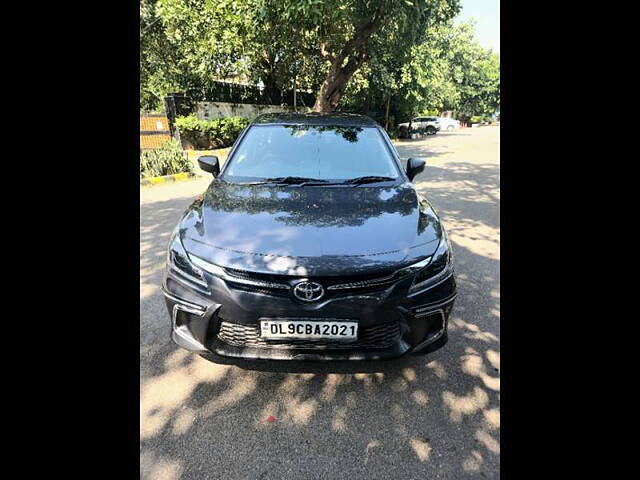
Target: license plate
(304,329)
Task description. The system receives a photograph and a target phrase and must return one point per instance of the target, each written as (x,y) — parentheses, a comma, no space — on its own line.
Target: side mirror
(210,164)
(414,167)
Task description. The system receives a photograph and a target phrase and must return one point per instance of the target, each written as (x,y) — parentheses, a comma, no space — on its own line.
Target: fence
(238,93)
(154,130)
(221,99)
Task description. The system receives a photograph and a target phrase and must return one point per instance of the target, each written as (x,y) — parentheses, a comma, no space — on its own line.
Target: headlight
(432,268)
(179,264)
(209,267)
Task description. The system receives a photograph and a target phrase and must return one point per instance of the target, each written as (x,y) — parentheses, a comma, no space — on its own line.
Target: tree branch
(325,54)
(364,31)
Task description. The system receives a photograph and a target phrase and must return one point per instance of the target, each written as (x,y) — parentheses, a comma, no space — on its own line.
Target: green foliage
(166,160)
(448,70)
(207,134)
(413,58)
(159,71)
(480,89)
(275,43)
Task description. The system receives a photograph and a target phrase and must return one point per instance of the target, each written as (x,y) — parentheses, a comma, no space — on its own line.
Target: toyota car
(311,243)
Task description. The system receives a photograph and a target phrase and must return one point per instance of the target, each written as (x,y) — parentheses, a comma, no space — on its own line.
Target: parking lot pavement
(432,417)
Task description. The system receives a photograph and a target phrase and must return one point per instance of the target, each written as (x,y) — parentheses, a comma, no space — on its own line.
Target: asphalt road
(419,417)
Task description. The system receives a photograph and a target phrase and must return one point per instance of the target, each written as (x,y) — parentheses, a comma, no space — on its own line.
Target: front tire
(431,130)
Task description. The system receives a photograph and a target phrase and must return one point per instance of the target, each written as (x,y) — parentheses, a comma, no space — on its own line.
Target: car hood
(308,230)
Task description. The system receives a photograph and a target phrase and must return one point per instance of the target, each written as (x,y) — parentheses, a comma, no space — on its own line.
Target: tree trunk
(354,53)
(269,77)
(331,91)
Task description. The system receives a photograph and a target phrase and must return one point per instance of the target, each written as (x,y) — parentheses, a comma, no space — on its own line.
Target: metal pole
(295,81)
(386,115)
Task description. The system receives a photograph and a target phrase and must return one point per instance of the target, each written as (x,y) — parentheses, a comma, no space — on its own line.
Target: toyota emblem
(308,291)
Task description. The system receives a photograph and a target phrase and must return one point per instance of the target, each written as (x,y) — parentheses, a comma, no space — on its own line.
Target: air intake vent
(376,337)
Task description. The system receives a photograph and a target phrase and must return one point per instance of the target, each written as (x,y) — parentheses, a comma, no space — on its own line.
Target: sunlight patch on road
(488,441)
(472,462)
(492,418)
(291,402)
(438,369)
(409,374)
(461,405)
(162,397)
(184,421)
(241,385)
(148,290)
(372,444)
(421,448)
(330,386)
(371,381)
(299,411)
(472,364)
(420,397)
(155,468)
(477,237)
(338,422)
(473,331)
(494,358)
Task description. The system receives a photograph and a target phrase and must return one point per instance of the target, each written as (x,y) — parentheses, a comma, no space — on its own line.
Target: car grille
(376,337)
(280,285)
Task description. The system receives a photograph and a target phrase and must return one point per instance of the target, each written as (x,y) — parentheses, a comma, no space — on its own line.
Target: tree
(392,58)
(229,40)
(156,57)
(480,88)
(209,36)
(342,37)
(447,70)
(407,82)
(167,62)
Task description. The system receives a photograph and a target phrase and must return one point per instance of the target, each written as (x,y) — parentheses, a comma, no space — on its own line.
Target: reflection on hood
(317,228)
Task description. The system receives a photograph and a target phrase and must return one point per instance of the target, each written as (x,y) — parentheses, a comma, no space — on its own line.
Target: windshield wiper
(317,181)
(286,181)
(368,179)
(292,180)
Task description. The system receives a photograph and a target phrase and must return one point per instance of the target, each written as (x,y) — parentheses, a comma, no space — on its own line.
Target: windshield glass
(307,151)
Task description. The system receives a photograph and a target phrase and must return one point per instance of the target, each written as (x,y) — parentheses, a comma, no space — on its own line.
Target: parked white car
(428,125)
(448,124)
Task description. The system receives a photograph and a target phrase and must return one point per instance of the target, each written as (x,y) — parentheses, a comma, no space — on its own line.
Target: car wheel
(431,130)
(450,128)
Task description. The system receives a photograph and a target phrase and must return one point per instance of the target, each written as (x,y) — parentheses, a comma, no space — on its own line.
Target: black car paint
(310,232)
(319,230)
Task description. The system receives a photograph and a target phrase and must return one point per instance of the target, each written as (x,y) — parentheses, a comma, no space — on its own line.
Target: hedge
(166,160)
(210,134)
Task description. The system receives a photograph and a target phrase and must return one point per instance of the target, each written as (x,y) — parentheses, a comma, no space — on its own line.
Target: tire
(431,130)
(450,128)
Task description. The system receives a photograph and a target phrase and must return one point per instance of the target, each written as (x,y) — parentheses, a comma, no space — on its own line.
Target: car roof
(314,118)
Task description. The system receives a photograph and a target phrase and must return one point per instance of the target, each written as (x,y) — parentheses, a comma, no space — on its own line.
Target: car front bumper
(391,322)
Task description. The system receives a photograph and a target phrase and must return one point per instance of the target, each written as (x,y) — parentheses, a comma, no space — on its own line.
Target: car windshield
(310,152)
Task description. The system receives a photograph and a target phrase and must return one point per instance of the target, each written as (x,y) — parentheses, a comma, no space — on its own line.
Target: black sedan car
(311,243)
